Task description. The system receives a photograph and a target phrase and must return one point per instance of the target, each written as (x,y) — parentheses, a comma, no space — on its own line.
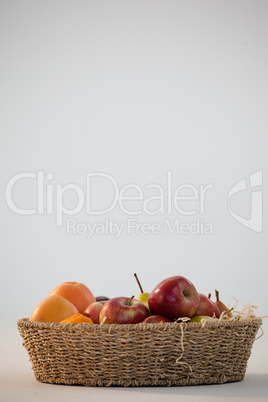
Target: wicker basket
(139,354)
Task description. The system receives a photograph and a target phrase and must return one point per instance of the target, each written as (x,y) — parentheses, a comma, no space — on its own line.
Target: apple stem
(209,295)
(130,300)
(137,279)
(217,295)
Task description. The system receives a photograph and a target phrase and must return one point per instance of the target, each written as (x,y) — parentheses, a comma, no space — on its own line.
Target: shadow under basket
(139,354)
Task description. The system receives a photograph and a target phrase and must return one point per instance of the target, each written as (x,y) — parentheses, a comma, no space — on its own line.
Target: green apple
(199,318)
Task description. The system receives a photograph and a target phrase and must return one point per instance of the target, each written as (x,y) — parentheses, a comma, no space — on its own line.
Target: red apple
(123,310)
(93,311)
(207,307)
(156,319)
(174,297)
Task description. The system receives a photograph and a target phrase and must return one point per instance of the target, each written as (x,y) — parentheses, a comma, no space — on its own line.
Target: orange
(53,309)
(77,293)
(78,319)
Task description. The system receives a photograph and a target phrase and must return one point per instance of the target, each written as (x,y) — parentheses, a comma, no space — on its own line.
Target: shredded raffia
(247,312)
(182,319)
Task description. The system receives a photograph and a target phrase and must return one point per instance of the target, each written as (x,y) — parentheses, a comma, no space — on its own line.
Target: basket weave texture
(139,354)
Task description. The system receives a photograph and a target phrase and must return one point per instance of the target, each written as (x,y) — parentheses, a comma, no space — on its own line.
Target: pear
(143,297)
(221,306)
(199,318)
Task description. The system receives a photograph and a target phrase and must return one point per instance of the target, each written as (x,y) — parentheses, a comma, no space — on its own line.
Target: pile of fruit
(173,299)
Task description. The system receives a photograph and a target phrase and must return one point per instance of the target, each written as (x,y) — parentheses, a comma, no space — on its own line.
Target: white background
(133,89)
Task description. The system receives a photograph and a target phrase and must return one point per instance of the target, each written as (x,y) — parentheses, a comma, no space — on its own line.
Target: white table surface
(17,382)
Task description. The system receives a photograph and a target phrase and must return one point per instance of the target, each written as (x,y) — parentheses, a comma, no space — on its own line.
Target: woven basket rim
(241,322)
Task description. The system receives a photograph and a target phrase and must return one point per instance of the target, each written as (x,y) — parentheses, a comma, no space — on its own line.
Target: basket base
(137,383)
